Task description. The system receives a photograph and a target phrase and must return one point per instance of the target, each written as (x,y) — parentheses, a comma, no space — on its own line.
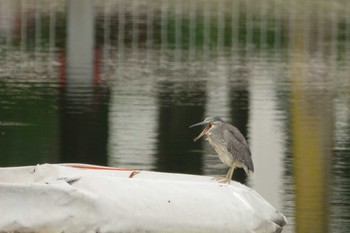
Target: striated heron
(229,143)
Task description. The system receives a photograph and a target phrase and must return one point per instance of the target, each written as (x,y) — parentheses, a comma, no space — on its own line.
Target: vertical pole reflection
(192,29)
(312,136)
(164,29)
(121,30)
(37,32)
(235,28)
(320,30)
(106,36)
(334,37)
(9,16)
(176,150)
(220,25)
(23,29)
(263,24)
(249,27)
(132,120)
(135,28)
(150,33)
(278,26)
(206,27)
(217,104)
(83,103)
(52,35)
(178,30)
(80,42)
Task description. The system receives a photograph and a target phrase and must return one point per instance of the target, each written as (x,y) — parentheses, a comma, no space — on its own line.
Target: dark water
(119,82)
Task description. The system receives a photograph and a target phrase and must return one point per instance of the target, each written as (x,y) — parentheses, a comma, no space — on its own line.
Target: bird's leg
(228,176)
(226,179)
(230,172)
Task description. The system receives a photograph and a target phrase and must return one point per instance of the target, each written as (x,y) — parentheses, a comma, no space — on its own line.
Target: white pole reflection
(266,136)
(220,25)
(52,35)
(133,121)
(263,24)
(7,22)
(80,43)
(164,29)
(23,30)
(106,36)
(150,34)
(218,104)
(192,29)
(235,29)
(278,26)
(178,30)
(37,39)
(206,26)
(249,26)
(121,30)
(320,30)
(135,14)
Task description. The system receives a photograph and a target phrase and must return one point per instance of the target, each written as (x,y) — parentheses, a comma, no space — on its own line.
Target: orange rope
(96,167)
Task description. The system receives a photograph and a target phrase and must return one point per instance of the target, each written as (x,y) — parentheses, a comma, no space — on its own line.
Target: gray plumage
(230,145)
(236,147)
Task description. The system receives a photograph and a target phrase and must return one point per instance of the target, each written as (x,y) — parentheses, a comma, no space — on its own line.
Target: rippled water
(118,83)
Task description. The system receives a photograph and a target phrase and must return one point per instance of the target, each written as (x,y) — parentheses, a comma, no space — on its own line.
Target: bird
(229,143)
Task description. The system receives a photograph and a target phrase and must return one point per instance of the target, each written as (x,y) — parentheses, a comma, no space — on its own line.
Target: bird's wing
(237,145)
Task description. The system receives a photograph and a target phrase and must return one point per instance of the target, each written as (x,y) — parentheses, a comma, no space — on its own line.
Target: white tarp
(60,198)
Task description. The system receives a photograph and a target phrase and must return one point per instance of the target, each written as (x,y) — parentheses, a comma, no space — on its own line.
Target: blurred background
(118,83)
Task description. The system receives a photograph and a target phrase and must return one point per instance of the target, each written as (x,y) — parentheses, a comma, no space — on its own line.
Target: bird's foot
(222,179)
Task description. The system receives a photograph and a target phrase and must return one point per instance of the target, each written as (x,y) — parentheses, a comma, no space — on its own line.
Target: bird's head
(209,122)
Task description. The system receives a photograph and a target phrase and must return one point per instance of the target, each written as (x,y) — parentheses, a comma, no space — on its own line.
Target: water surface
(119,83)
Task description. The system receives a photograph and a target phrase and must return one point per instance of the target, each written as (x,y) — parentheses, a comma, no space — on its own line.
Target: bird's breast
(223,154)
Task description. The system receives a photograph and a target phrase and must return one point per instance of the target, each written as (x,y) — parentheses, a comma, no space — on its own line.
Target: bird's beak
(198,124)
(204,130)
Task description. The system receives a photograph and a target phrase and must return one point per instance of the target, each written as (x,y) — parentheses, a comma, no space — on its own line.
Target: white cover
(60,198)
